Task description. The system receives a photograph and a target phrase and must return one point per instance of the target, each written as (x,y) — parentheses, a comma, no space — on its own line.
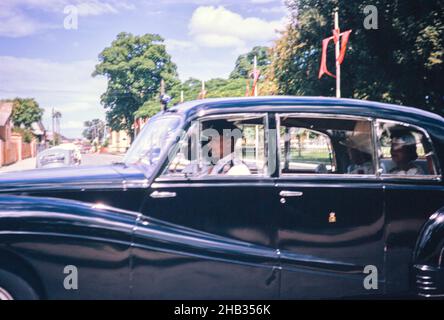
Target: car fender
(429,249)
(45,235)
(428,258)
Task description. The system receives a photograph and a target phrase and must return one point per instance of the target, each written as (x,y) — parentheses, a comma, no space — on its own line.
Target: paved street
(87,160)
(100,159)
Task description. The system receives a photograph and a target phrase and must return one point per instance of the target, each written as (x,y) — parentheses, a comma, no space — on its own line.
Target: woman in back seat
(403,152)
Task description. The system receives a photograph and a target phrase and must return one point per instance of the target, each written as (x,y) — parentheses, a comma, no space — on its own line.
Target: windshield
(153,141)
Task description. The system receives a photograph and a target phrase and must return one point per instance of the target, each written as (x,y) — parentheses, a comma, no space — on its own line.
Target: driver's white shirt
(237,169)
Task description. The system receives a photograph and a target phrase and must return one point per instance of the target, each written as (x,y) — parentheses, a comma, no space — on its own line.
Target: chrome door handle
(285,193)
(162,194)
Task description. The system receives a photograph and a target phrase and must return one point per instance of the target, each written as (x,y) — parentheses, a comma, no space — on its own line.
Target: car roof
(309,104)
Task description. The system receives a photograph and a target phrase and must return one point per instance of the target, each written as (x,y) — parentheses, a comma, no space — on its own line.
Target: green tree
(94,129)
(134,67)
(25,112)
(235,86)
(244,63)
(400,62)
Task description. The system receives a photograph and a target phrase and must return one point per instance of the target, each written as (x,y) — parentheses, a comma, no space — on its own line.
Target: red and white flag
(336,37)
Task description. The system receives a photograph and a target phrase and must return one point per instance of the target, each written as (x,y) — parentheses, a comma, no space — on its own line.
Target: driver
(219,138)
(221,159)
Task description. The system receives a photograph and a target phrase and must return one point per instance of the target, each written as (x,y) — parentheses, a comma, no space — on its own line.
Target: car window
(152,142)
(223,146)
(325,146)
(404,150)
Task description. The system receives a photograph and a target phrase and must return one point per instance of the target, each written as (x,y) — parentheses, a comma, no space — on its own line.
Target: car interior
(315,145)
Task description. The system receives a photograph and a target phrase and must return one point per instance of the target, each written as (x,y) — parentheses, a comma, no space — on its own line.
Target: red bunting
(344,40)
(336,36)
(323,69)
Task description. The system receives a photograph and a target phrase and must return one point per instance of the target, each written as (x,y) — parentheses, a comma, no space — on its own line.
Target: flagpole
(337,53)
(254,72)
(203,90)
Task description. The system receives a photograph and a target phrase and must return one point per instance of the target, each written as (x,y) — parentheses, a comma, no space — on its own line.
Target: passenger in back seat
(403,152)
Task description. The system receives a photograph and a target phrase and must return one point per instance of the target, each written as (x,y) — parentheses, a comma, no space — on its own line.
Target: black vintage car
(316,198)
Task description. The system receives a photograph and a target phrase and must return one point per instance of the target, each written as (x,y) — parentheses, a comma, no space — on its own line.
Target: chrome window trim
(323,175)
(434,177)
(302,114)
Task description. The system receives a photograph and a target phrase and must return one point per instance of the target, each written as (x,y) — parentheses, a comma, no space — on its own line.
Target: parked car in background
(75,150)
(316,194)
(60,156)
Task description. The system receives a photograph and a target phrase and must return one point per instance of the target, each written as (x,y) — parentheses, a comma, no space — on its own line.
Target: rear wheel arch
(429,248)
(13,263)
(428,258)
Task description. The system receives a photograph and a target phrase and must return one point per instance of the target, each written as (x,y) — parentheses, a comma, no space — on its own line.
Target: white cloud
(86,7)
(73,125)
(263,1)
(14,24)
(276,9)
(67,87)
(214,40)
(95,8)
(219,27)
(179,45)
(17,16)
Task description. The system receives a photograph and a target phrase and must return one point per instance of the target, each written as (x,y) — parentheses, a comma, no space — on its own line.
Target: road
(97,159)
(93,159)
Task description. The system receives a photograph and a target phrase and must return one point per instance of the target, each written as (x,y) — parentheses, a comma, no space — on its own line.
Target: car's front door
(231,203)
(331,224)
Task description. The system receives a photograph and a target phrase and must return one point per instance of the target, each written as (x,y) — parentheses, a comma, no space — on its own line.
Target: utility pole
(203,92)
(337,53)
(53,134)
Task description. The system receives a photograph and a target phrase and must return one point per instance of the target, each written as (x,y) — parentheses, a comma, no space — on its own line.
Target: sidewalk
(20,165)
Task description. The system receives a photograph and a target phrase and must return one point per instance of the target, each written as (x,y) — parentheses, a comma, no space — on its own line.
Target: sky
(48,48)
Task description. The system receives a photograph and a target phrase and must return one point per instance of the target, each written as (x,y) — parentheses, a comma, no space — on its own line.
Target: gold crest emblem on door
(332,217)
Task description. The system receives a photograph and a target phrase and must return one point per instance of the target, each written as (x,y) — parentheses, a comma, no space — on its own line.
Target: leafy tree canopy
(25,112)
(134,67)
(244,62)
(235,86)
(400,62)
(191,88)
(94,129)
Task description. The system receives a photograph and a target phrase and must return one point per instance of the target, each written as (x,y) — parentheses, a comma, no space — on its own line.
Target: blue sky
(40,58)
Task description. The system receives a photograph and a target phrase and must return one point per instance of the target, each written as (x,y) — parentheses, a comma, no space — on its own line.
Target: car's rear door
(331,213)
(410,199)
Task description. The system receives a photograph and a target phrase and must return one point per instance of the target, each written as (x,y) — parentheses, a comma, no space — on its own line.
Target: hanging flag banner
(344,36)
(255,75)
(344,40)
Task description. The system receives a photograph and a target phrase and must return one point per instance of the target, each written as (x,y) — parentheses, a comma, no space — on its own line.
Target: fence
(15,150)
(10,153)
(27,150)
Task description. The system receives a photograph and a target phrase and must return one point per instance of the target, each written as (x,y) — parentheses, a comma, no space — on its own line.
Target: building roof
(5,112)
